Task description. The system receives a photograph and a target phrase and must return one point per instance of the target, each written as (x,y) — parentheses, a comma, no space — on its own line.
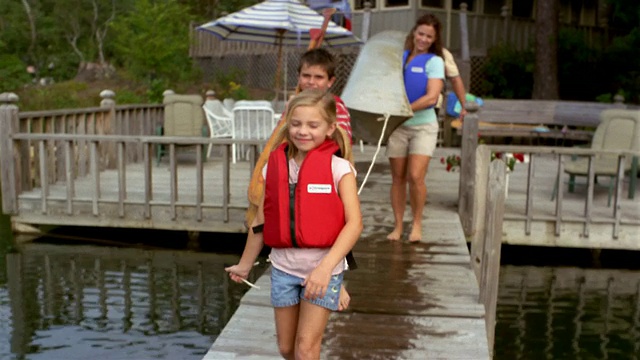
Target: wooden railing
(52,150)
(473,182)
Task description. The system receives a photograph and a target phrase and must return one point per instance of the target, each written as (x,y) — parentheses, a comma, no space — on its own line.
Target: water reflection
(568,313)
(80,302)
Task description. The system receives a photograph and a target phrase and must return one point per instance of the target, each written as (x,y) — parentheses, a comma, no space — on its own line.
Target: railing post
(468,166)
(504,12)
(490,273)
(477,206)
(110,126)
(366,22)
(10,178)
(465,68)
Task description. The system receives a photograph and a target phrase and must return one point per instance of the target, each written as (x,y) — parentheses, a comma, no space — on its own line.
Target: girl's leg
(417,171)
(286,327)
(311,325)
(398,194)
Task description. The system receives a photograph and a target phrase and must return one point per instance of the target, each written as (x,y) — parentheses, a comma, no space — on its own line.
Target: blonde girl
(307,257)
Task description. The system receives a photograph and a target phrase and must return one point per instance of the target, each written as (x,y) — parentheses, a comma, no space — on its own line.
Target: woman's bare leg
(416,173)
(398,195)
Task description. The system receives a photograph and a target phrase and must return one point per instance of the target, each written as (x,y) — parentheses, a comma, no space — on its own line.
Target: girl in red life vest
(309,193)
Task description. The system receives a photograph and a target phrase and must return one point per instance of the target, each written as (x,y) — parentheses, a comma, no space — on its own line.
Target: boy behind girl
(316,71)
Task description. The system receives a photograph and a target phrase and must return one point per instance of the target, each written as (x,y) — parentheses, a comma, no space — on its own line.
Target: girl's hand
(237,273)
(316,283)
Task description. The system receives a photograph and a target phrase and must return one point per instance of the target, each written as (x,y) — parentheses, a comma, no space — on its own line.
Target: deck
(408,301)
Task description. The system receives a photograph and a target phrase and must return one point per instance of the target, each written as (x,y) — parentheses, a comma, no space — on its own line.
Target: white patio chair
(251,120)
(219,120)
(229,103)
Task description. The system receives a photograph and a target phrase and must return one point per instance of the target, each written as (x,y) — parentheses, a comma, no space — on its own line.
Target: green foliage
(622,57)
(508,74)
(578,65)
(228,85)
(152,41)
(13,73)
(66,95)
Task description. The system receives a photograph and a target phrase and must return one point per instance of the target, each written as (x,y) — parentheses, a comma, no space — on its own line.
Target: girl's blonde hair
(326,104)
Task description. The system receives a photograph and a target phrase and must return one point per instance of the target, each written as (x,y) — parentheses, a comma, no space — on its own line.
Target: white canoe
(376,87)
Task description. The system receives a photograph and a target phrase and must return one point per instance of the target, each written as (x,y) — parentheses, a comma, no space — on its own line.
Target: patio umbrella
(278,22)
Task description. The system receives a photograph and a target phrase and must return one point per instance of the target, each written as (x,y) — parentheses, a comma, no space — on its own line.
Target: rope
(375,155)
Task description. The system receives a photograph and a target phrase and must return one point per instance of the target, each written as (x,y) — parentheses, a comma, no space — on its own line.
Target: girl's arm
(317,282)
(251,249)
(435,84)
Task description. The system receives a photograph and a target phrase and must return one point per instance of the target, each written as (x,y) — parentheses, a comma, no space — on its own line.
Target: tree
(152,41)
(545,74)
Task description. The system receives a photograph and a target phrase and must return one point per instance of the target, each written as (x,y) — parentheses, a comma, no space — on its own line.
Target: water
(71,300)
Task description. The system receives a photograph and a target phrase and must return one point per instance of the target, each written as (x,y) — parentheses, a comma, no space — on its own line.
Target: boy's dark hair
(319,57)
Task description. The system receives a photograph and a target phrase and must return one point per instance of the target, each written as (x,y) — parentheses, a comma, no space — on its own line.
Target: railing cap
(472,106)
(107,94)
(464,6)
(9,98)
(168,92)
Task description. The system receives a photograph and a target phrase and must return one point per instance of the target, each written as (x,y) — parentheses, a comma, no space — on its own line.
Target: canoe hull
(376,88)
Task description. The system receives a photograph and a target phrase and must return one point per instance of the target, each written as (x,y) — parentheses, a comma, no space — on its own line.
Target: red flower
(519,156)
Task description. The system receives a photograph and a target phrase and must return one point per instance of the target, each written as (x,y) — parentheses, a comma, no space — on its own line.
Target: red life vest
(308,214)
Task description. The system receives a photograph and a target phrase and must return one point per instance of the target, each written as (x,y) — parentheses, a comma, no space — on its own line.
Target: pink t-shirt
(301,261)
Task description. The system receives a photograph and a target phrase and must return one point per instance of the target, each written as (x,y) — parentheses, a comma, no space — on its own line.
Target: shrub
(508,74)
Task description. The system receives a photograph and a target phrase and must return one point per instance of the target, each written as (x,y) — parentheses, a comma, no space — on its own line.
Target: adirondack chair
(183,116)
(618,130)
(219,120)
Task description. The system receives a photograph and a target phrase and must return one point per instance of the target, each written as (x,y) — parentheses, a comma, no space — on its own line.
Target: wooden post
(465,66)
(110,127)
(10,178)
(468,166)
(490,273)
(366,21)
(504,12)
(483,160)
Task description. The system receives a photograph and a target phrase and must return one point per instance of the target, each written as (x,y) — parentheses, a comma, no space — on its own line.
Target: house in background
(489,22)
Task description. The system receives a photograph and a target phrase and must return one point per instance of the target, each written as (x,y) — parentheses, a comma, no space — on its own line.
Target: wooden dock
(409,301)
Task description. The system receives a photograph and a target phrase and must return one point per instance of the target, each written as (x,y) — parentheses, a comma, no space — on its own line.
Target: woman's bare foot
(395,234)
(416,233)
(344,299)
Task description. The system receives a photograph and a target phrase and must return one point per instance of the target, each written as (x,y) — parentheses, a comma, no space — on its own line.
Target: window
(359,4)
(455,4)
(523,9)
(493,8)
(432,3)
(396,3)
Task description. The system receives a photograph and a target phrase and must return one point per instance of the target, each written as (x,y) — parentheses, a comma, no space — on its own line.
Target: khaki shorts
(414,140)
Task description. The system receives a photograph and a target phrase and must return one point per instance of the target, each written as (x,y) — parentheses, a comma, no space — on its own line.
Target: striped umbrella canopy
(278,22)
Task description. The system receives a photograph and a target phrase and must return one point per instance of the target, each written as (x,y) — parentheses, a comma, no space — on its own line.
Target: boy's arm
(452,73)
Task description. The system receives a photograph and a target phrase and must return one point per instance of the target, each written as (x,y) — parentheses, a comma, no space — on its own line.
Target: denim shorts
(287,290)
